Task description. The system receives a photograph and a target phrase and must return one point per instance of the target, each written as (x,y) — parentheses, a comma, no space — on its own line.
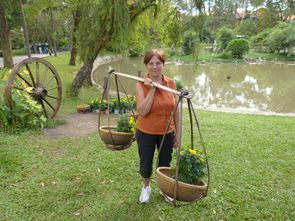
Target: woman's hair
(154,52)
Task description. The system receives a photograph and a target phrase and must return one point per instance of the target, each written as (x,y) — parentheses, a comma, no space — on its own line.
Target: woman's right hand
(148,82)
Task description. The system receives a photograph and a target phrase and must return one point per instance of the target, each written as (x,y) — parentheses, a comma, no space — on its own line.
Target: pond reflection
(247,87)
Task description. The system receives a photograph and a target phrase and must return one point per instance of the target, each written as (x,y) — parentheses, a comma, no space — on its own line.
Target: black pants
(146,149)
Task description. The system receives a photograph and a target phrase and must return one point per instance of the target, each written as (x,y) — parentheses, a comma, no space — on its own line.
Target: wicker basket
(115,140)
(83,108)
(185,192)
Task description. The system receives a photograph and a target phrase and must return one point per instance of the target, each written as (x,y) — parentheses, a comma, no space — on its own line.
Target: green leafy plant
(126,123)
(25,112)
(94,104)
(238,47)
(103,104)
(125,103)
(224,36)
(179,85)
(133,102)
(192,166)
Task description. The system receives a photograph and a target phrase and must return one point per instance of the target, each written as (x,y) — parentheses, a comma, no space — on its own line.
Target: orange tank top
(155,122)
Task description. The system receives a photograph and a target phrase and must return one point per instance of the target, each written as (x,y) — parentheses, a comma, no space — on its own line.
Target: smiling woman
(155,107)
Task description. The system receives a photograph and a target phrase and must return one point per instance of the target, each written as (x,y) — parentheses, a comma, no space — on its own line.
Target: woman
(155,107)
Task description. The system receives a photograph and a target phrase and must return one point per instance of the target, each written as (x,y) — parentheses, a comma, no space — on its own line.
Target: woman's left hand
(176,141)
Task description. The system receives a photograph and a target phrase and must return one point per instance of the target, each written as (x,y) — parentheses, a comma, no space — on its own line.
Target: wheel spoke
(31,75)
(18,88)
(52,88)
(48,104)
(49,81)
(37,74)
(52,97)
(44,74)
(43,106)
(20,76)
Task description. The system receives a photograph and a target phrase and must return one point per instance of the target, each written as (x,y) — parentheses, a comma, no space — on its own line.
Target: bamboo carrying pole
(157,85)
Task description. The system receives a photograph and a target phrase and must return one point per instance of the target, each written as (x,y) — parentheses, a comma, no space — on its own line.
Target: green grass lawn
(251,159)
(252,175)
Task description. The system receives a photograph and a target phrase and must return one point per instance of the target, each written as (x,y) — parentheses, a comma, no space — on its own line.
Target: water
(259,87)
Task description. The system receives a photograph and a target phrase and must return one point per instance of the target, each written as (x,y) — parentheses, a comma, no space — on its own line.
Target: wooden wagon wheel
(40,79)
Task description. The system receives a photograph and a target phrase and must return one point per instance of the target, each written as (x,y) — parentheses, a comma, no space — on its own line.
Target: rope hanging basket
(168,178)
(185,192)
(113,139)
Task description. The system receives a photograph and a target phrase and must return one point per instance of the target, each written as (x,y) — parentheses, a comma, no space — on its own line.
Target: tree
(247,27)
(259,41)
(282,37)
(104,22)
(238,47)
(225,35)
(5,37)
(164,31)
(43,8)
(76,18)
(24,26)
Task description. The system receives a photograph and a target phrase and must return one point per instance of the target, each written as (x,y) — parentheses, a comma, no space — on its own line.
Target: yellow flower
(181,152)
(28,89)
(132,129)
(192,152)
(131,120)
(202,159)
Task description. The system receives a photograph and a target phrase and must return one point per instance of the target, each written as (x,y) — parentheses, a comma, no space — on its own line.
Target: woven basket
(185,192)
(83,108)
(115,140)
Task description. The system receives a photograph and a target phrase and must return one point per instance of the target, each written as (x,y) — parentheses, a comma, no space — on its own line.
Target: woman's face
(155,66)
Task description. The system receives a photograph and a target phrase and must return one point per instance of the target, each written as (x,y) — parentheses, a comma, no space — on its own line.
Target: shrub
(190,41)
(25,112)
(178,84)
(224,36)
(238,47)
(224,55)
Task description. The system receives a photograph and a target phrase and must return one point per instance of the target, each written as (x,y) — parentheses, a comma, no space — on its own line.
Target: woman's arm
(144,104)
(177,127)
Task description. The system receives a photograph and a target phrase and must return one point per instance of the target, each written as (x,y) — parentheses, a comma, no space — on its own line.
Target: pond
(238,87)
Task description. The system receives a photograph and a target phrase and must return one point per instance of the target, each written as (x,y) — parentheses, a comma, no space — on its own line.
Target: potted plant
(94,105)
(83,108)
(116,106)
(125,104)
(121,136)
(103,105)
(190,185)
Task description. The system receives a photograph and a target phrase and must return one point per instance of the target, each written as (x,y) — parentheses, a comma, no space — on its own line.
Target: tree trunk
(82,75)
(5,37)
(24,26)
(52,32)
(76,16)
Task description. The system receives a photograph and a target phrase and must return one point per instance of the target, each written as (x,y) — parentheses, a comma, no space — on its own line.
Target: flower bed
(113,104)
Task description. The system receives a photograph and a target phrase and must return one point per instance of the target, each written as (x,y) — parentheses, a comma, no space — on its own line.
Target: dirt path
(76,125)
